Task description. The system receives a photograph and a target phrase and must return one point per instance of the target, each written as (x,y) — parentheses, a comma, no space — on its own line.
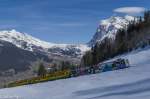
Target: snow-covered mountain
(109,27)
(18,51)
(27,42)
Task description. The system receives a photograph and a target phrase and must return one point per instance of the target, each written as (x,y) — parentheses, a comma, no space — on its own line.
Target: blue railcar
(107,67)
(114,65)
(101,67)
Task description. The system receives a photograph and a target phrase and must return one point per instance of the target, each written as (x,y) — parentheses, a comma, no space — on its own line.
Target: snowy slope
(130,83)
(27,42)
(14,37)
(109,27)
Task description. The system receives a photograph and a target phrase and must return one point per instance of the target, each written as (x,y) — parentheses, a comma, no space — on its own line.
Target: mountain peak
(116,19)
(109,27)
(130,18)
(13,30)
(18,38)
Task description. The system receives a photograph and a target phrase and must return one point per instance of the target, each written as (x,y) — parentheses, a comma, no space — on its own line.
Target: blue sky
(60,21)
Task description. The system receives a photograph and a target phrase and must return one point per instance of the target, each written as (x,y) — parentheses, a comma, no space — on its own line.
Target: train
(101,67)
(74,72)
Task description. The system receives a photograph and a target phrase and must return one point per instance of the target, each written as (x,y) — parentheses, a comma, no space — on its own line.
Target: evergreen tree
(41,70)
(65,65)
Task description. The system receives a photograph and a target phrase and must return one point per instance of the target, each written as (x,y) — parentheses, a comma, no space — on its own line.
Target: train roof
(111,61)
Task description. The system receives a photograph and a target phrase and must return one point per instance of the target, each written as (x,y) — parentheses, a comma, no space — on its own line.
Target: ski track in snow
(129,83)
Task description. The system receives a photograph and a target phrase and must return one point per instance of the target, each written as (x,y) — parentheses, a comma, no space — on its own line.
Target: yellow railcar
(49,77)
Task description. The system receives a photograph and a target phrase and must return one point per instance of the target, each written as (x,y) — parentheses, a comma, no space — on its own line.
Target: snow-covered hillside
(27,42)
(109,27)
(130,83)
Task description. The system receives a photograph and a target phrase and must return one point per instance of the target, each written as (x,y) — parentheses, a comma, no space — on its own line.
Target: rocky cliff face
(109,27)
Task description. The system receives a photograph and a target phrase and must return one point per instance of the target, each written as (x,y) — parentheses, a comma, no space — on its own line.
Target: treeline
(42,70)
(136,35)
